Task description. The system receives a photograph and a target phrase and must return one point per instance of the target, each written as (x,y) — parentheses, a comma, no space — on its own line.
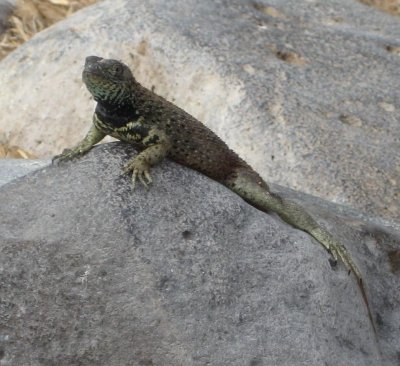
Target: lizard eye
(117,69)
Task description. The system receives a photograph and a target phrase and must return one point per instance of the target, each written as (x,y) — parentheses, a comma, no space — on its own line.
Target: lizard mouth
(91,76)
(92,68)
(87,72)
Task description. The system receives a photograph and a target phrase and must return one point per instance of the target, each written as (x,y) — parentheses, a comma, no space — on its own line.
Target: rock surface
(11,169)
(185,273)
(306,91)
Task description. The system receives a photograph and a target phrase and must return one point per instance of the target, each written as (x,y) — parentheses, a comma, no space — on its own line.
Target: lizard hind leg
(250,186)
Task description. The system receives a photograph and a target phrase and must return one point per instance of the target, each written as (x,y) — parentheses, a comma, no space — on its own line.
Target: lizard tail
(252,188)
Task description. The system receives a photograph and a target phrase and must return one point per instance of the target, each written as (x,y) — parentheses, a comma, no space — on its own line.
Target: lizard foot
(68,154)
(139,169)
(340,251)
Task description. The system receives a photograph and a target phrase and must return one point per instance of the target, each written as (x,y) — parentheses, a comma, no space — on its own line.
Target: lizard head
(107,80)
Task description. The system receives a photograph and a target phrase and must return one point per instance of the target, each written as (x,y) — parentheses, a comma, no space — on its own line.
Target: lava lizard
(157,129)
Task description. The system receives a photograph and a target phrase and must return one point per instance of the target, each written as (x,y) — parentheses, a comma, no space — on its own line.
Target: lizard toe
(142,175)
(142,179)
(67,154)
(148,176)
(140,170)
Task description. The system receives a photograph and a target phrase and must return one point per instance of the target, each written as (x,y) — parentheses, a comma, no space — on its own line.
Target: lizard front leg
(140,164)
(93,136)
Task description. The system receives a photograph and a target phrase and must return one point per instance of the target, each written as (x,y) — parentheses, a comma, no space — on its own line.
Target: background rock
(185,273)
(306,91)
(391,6)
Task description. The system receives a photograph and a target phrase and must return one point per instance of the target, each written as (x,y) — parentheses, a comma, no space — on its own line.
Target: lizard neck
(116,115)
(129,106)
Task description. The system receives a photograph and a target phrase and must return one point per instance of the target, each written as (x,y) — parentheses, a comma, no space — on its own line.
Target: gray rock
(11,169)
(307,92)
(6,8)
(185,273)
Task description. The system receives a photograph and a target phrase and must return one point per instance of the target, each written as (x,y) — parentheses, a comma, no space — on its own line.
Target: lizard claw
(140,170)
(333,262)
(340,251)
(334,256)
(67,154)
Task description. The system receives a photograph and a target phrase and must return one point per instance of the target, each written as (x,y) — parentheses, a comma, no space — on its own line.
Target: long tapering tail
(251,187)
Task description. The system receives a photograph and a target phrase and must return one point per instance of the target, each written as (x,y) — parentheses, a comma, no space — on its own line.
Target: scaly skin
(158,129)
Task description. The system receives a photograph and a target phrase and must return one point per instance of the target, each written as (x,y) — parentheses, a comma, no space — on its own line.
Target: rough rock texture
(11,169)
(306,91)
(185,273)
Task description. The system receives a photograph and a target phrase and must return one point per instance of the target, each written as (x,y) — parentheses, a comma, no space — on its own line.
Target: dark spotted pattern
(121,99)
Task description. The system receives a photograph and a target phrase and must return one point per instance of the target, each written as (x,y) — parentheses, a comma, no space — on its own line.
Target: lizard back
(192,143)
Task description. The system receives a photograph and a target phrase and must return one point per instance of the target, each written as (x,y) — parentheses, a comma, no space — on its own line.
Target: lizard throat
(116,115)
(113,94)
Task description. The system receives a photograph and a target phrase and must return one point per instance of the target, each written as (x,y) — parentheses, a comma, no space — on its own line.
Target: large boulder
(183,273)
(307,92)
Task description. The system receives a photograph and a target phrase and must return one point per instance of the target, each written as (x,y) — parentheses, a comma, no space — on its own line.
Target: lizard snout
(91,61)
